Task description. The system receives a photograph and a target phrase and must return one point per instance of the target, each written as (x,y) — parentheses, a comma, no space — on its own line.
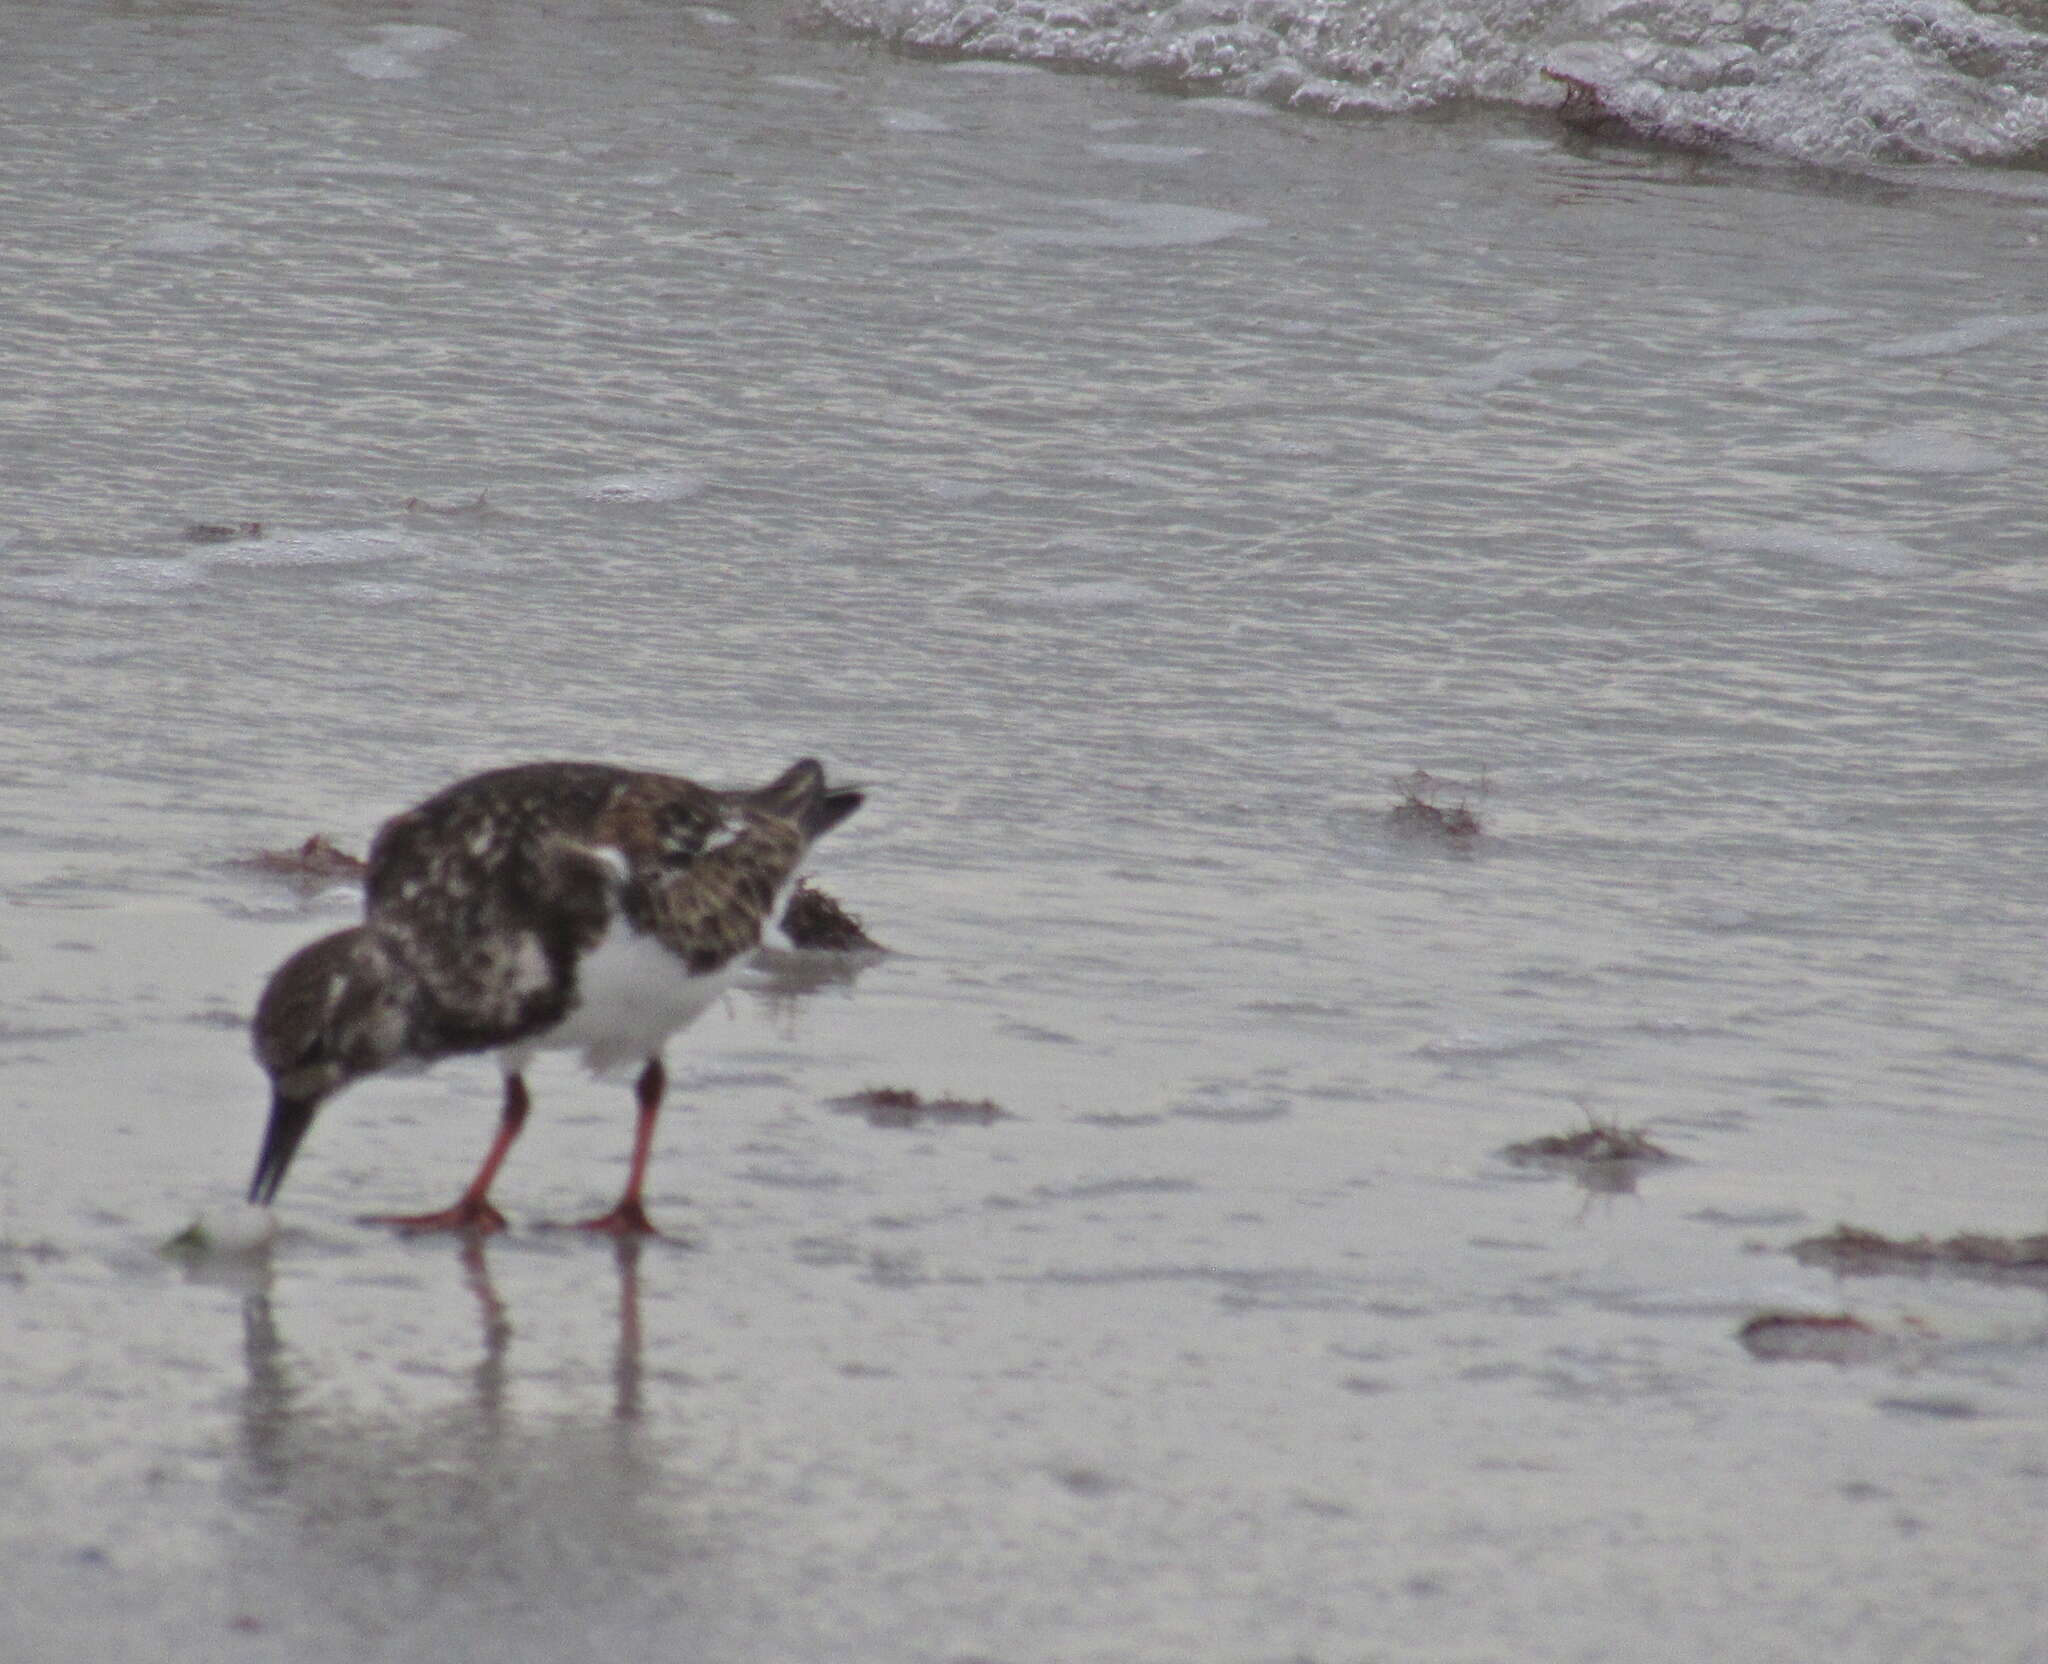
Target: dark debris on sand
(1420,815)
(814,920)
(1599,1141)
(479,504)
(1600,1157)
(1814,1337)
(1587,109)
(316,860)
(1851,1251)
(900,1106)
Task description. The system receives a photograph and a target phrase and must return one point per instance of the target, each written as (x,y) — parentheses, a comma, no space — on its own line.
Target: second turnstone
(549,905)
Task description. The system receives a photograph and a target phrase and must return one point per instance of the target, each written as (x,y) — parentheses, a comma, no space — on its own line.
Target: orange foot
(470,1214)
(629,1218)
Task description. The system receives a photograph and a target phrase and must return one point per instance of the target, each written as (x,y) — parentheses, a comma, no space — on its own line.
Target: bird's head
(329,1016)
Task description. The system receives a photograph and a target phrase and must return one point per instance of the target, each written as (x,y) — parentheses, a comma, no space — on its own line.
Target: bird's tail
(800,794)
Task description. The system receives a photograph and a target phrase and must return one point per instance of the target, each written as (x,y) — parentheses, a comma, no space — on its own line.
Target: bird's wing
(489,891)
(712,909)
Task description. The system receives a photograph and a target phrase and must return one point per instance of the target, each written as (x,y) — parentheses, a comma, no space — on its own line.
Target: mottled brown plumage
(570,904)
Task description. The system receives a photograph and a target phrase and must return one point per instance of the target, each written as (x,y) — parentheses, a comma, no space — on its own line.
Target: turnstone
(570,905)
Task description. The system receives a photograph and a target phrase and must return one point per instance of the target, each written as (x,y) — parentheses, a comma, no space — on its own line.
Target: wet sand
(1275,1368)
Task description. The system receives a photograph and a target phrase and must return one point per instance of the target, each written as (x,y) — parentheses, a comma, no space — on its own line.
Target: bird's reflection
(467,1513)
(784,979)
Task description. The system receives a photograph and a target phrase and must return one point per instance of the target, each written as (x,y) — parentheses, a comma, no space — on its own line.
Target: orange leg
(629,1218)
(472,1210)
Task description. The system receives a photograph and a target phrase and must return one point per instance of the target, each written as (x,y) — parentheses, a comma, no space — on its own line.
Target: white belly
(632,995)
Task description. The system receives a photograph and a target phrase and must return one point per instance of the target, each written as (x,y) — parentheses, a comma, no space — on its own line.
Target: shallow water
(1132,489)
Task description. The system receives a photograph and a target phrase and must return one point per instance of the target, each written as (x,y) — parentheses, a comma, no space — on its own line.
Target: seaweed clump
(221,531)
(1601,1156)
(1597,1141)
(1587,109)
(1814,1337)
(1852,1251)
(1420,815)
(901,1106)
(317,859)
(479,504)
(812,919)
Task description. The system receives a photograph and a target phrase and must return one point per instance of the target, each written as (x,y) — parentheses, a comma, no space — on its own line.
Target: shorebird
(548,905)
